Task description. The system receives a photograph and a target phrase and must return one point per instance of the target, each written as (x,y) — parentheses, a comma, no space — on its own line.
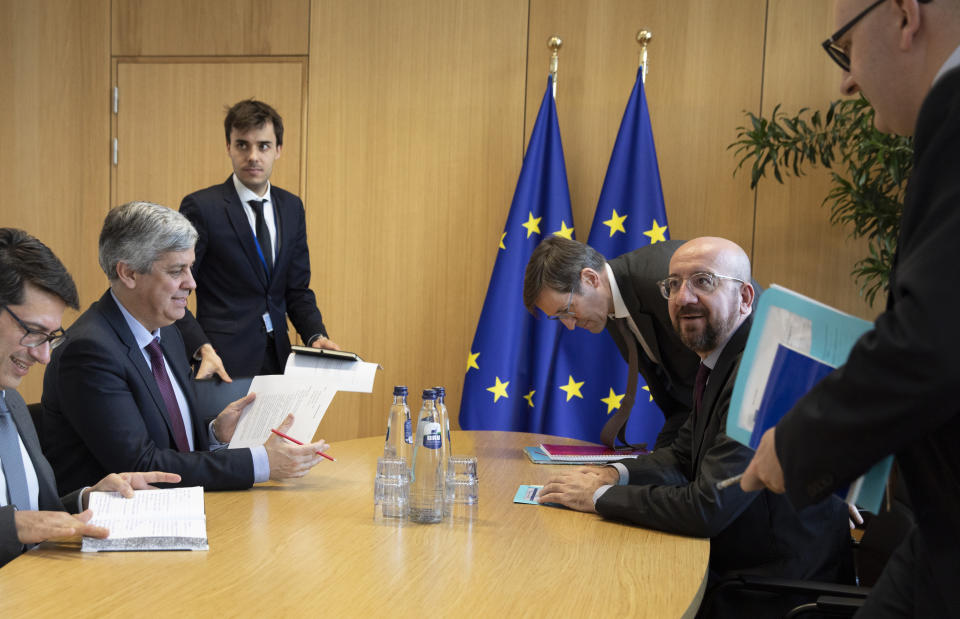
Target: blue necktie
(263,234)
(12,460)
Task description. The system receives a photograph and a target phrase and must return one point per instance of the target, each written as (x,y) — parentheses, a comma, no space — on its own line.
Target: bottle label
(408,432)
(432,436)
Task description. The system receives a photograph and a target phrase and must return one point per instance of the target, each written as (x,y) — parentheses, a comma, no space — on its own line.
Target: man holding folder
(897,393)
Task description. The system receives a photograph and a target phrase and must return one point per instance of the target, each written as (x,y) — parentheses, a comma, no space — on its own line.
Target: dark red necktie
(699,385)
(166,392)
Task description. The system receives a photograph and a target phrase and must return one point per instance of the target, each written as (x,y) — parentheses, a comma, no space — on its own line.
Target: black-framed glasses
(33,338)
(702,283)
(837,53)
(565,312)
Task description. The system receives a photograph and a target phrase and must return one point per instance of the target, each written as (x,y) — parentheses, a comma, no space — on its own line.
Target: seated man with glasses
(35,288)
(710,301)
(571,282)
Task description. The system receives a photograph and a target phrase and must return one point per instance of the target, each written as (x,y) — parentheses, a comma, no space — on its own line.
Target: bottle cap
(441,392)
(399,390)
(429,394)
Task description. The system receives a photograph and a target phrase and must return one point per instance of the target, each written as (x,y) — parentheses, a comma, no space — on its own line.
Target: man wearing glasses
(35,288)
(572,283)
(898,391)
(710,301)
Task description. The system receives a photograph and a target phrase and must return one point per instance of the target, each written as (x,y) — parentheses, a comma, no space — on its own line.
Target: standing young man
(252,263)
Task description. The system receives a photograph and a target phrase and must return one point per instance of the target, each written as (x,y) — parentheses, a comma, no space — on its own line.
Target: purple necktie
(166,392)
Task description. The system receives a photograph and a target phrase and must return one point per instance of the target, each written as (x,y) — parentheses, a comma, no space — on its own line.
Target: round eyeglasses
(698,283)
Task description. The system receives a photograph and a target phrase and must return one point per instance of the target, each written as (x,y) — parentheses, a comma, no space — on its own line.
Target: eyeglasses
(837,53)
(702,283)
(33,338)
(565,312)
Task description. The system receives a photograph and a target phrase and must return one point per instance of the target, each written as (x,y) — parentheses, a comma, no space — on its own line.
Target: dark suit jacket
(670,379)
(103,412)
(232,287)
(674,490)
(10,546)
(898,392)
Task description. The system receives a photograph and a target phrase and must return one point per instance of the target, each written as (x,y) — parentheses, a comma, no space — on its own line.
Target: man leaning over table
(596,294)
(35,288)
(675,489)
(118,395)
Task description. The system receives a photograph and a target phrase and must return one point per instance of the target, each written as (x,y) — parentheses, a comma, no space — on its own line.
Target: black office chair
(882,533)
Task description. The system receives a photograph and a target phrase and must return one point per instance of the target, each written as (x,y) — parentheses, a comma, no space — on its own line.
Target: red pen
(293,440)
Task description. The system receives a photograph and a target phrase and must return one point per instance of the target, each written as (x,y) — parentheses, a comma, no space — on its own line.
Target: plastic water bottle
(444,423)
(426,488)
(399,441)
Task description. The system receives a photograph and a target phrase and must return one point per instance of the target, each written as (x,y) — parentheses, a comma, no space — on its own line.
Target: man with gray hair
(117,394)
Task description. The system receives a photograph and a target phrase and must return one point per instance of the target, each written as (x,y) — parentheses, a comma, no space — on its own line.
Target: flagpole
(554,43)
(643,38)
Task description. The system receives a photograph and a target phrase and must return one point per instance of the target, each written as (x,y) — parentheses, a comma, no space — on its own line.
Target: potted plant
(869,171)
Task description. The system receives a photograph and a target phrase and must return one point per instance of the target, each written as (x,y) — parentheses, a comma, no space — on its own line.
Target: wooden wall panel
(170,123)
(413,151)
(417,116)
(796,245)
(210,27)
(704,63)
(54,164)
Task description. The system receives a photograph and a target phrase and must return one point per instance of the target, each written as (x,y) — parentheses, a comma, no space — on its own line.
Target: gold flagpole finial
(554,43)
(643,38)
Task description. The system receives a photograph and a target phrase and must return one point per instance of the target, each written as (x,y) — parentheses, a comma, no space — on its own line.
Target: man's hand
(288,460)
(34,527)
(855,517)
(575,490)
(210,364)
(126,483)
(764,470)
(324,342)
(226,422)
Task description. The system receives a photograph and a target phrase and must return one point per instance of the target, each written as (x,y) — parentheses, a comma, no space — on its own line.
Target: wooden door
(168,128)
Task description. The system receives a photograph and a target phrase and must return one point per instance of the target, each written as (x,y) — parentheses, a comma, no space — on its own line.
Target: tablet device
(340,355)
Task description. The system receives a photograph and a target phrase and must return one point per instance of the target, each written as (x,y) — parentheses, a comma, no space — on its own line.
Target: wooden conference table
(311,547)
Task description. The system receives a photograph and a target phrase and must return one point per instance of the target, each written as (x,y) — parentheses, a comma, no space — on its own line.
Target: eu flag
(590,375)
(510,361)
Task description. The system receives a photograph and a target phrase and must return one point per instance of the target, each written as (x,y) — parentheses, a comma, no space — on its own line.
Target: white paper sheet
(333,373)
(278,396)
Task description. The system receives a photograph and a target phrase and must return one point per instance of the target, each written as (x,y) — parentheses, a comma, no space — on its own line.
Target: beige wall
(415,121)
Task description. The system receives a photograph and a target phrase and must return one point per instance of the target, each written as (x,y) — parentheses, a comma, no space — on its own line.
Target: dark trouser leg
(906,587)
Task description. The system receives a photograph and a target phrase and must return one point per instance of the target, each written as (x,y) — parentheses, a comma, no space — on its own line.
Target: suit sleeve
(900,381)
(10,546)
(301,302)
(96,399)
(190,329)
(661,496)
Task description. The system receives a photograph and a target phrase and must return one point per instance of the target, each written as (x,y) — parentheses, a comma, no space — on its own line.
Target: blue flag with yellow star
(511,357)
(590,375)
